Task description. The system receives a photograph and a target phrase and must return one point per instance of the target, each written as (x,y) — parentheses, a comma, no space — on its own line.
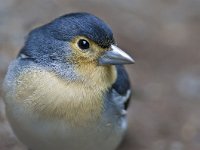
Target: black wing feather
(122,84)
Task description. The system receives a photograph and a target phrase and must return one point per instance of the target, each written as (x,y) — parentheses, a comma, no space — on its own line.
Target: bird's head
(77,39)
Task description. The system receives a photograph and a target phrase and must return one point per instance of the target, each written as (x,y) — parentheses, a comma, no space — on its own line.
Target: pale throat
(49,96)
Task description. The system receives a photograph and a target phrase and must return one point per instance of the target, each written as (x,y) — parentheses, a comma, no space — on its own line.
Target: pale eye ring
(83,44)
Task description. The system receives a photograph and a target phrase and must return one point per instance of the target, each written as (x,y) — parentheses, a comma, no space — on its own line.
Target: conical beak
(115,56)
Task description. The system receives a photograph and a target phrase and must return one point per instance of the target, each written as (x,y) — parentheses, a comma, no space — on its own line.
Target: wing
(122,87)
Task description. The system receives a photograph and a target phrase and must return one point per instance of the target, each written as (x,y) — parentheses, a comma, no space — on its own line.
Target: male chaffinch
(67,88)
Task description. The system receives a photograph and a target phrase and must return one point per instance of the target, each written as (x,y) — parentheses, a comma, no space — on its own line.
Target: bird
(67,89)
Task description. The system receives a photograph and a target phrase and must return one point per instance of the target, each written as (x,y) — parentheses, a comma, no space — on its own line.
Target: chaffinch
(67,88)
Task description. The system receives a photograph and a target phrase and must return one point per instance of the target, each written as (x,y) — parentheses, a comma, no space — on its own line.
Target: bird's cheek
(90,56)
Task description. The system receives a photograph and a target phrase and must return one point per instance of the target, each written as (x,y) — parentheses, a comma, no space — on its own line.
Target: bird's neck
(99,76)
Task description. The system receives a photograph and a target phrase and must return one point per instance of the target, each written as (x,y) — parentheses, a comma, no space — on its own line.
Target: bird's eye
(83,44)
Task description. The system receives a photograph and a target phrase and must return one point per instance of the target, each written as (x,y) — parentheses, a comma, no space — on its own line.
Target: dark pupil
(83,44)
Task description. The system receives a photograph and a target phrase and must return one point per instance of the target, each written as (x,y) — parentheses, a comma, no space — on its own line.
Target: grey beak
(115,56)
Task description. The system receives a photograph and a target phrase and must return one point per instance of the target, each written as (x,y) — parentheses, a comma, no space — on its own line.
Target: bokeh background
(162,35)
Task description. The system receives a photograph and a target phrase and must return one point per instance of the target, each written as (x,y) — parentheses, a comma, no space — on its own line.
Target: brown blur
(163,36)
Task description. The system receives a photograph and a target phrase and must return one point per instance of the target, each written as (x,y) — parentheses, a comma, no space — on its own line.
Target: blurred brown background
(162,35)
